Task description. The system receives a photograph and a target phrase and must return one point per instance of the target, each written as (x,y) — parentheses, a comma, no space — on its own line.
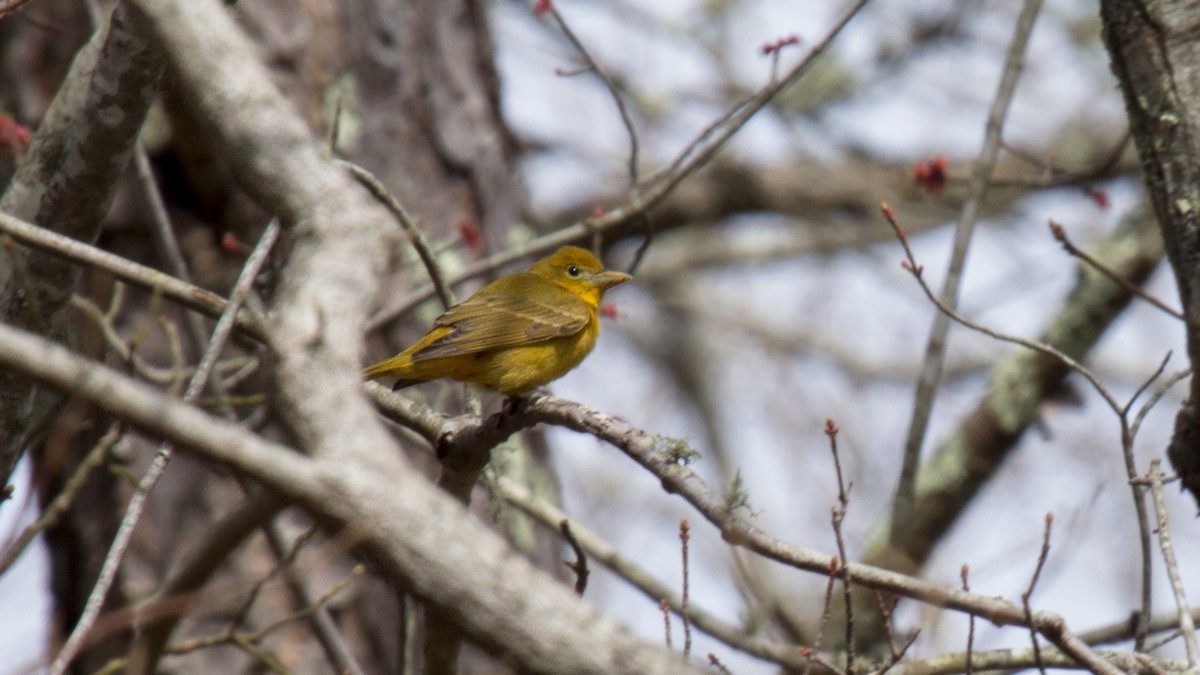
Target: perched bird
(517,333)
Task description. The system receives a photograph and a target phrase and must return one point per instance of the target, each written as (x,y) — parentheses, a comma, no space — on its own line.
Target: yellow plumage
(519,332)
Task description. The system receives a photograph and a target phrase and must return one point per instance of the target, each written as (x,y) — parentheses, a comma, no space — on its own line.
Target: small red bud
(470,234)
(231,244)
(13,137)
(931,174)
(769,48)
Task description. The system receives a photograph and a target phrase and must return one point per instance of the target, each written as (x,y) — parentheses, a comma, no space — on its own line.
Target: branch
(192,297)
(610,86)
(1158,67)
(412,532)
(159,614)
(94,120)
(158,466)
(603,552)
(1021,659)
(64,499)
(965,460)
(665,459)
(650,192)
(1186,626)
(935,349)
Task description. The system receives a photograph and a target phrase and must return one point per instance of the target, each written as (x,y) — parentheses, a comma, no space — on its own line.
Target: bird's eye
(573,271)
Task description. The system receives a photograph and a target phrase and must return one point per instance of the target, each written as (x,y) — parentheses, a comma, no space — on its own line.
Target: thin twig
(1146,384)
(838,515)
(1167,639)
(139,275)
(1186,626)
(580,565)
(935,348)
(1161,391)
(684,537)
(335,124)
(910,265)
(163,232)
(887,607)
(1037,573)
(666,615)
(377,190)
(1012,660)
(604,553)
(626,120)
(716,663)
(966,586)
(285,558)
(826,611)
(1056,177)
(136,504)
(613,92)
(63,500)
(1122,630)
(253,638)
(652,190)
(1138,492)
(1060,235)
(114,341)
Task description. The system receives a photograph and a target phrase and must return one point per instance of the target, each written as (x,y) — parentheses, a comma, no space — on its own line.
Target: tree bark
(1156,58)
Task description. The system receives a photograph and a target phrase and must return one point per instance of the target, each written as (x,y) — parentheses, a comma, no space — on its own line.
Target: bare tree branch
(412,531)
(192,297)
(1186,626)
(935,349)
(158,466)
(1157,64)
(116,72)
(964,461)
(652,190)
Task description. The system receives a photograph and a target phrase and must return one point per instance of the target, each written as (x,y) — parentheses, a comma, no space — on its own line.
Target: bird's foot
(514,405)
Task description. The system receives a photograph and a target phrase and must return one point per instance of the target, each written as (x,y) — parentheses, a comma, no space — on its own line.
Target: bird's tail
(397,366)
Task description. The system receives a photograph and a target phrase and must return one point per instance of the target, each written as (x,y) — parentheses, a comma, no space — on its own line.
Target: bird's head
(578,271)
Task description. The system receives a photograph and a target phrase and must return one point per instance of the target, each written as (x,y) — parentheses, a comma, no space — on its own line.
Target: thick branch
(1156,58)
(413,532)
(417,535)
(67,180)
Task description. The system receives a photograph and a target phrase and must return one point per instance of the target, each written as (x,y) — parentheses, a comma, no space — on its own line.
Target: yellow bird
(517,333)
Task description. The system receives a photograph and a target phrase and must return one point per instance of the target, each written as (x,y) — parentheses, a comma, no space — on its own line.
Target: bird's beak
(606,280)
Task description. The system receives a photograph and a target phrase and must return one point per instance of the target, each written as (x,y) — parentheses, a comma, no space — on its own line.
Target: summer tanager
(517,333)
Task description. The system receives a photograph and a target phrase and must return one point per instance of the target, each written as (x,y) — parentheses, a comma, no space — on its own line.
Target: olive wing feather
(505,318)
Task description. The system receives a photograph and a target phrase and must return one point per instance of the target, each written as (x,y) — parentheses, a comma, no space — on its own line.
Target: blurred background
(770,298)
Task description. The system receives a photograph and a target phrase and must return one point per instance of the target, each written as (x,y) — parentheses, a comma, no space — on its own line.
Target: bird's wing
(507,317)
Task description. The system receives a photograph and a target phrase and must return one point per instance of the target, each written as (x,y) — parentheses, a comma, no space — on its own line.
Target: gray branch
(67,181)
